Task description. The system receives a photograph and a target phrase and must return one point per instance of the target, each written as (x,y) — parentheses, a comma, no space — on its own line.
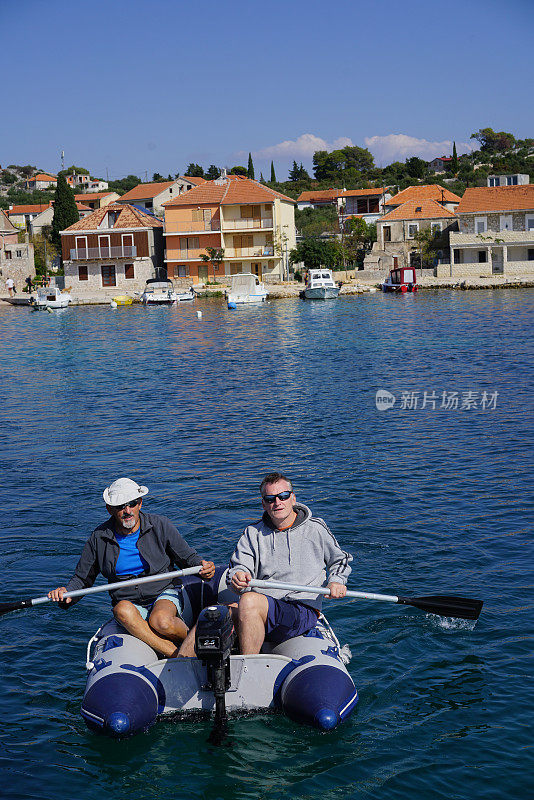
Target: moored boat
(50,297)
(400,279)
(129,687)
(162,292)
(246,288)
(320,285)
(123,300)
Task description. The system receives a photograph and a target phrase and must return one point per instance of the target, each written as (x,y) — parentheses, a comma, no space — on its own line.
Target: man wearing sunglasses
(288,545)
(133,543)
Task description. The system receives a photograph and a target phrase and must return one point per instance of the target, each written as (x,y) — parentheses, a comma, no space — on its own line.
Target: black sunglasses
(130,504)
(270,498)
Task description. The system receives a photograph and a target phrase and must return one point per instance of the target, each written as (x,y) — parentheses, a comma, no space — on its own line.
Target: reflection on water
(428,502)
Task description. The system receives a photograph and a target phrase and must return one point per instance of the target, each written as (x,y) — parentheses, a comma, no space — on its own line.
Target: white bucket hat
(122,491)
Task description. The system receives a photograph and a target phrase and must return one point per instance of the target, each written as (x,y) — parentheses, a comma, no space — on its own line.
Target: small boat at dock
(158,292)
(245,288)
(320,285)
(50,297)
(400,279)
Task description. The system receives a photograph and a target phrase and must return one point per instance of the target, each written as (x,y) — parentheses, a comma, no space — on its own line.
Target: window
(481,224)
(250,212)
(129,271)
(493,182)
(530,254)
(435,228)
(457,256)
(83,274)
(9,254)
(108,275)
(189,243)
(529,223)
(482,256)
(413,228)
(505,222)
(511,180)
(112,218)
(183,271)
(387,233)
(19,253)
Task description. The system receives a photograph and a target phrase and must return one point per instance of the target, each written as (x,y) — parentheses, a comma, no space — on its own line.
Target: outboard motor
(214,638)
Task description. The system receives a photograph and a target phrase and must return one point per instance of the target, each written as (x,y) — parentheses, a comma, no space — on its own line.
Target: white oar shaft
(292,587)
(120,584)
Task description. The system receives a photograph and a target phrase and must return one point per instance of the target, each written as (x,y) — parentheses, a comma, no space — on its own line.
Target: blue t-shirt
(129,561)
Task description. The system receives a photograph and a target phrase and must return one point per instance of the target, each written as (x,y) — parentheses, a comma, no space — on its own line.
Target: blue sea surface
(433,496)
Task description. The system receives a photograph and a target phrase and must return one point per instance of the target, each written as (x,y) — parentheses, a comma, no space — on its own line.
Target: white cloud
(303,147)
(399,147)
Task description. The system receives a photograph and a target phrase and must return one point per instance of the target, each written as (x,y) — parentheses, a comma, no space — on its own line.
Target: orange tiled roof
(497,198)
(236,189)
(318,195)
(43,176)
(431,192)
(430,209)
(81,207)
(32,209)
(92,195)
(194,179)
(363,192)
(129,217)
(144,190)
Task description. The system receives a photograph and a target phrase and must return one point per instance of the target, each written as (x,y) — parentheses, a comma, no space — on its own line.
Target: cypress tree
(454,158)
(273,176)
(65,210)
(250,169)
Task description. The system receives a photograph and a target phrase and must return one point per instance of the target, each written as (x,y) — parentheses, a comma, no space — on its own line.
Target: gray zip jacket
(306,554)
(159,544)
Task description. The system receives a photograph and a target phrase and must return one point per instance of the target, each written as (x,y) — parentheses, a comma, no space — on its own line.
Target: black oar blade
(444,606)
(5,608)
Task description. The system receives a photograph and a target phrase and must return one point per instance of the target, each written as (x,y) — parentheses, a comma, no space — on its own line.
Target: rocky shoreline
(293,289)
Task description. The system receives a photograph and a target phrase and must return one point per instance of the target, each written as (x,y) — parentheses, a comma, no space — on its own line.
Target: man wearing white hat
(133,543)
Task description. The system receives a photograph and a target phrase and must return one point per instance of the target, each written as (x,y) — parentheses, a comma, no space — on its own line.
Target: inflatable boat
(129,687)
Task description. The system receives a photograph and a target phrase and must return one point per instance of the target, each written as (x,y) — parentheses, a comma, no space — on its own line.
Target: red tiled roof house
(254,225)
(115,246)
(496,233)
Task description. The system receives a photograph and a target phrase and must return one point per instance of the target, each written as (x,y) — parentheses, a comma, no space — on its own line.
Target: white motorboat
(158,292)
(246,288)
(320,285)
(50,297)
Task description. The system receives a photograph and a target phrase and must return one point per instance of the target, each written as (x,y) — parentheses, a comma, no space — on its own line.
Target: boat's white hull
(322,293)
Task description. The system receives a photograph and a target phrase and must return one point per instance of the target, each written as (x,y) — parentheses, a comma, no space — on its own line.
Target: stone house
(432,191)
(45,217)
(23,216)
(41,180)
(397,230)
(16,258)
(519,179)
(96,200)
(117,246)
(366,204)
(496,233)
(86,183)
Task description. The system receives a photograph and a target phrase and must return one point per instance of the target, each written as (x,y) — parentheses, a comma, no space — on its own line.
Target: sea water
(431,495)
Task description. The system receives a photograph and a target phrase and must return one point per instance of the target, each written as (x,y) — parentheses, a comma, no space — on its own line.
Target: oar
(36,601)
(443,605)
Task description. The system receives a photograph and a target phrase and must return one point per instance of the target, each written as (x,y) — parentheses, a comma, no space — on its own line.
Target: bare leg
(130,618)
(253,608)
(165,621)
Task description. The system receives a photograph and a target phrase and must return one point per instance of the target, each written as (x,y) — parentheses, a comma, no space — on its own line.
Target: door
(104,247)
(497,262)
(203,272)
(255,268)
(108,275)
(127,245)
(81,247)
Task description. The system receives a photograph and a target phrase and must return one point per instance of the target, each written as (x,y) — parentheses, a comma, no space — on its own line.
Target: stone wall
(467,223)
(16,262)
(143,271)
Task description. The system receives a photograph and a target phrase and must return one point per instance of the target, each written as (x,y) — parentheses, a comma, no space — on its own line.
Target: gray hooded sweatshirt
(306,554)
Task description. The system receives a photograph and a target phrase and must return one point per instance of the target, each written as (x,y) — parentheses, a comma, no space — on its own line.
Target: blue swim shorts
(174,595)
(286,619)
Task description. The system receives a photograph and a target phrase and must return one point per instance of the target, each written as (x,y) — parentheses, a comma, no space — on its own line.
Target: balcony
(247,224)
(98,253)
(192,226)
(266,251)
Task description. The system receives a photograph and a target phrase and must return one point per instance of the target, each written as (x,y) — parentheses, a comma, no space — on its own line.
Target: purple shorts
(286,619)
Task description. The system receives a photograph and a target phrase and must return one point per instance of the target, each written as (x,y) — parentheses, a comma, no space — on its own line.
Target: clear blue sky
(125,86)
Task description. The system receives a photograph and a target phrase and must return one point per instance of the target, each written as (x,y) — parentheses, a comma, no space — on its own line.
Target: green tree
(358,239)
(454,163)
(194,171)
(65,211)
(273,174)
(239,171)
(294,172)
(156,177)
(344,165)
(492,141)
(416,167)
(428,241)
(71,169)
(315,221)
(250,168)
(213,173)
(314,253)
(124,185)
(214,256)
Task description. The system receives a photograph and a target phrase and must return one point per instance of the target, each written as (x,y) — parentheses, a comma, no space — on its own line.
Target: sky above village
(130,87)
